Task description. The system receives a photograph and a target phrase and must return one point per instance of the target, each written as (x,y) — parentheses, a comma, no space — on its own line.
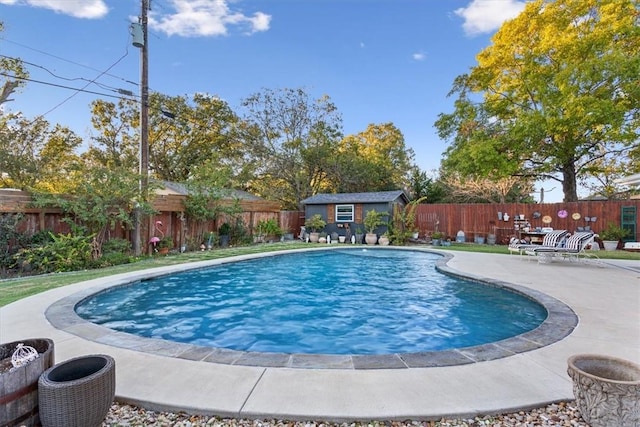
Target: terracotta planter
(383,241)
(314,237)
(371,238)
(19,386)
(607,390)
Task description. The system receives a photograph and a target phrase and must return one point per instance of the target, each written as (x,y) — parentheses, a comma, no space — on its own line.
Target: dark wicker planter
(19,386)
(77,392)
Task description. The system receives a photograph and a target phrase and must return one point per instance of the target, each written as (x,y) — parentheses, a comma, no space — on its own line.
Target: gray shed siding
(363,203)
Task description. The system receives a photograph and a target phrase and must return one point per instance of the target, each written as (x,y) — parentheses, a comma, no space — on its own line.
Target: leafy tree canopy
(553,97)
(35,157)
(288,135)
(375,159)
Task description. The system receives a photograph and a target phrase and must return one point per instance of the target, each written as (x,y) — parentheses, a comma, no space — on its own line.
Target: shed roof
(169,187)
(371,197)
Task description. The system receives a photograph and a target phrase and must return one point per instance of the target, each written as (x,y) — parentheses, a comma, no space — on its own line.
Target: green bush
(239,233)
(114,252)
(116,246)
(268,227)
(64,253)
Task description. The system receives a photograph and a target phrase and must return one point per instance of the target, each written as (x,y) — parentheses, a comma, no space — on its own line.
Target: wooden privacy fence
(192,233)
(484,219)
(472,219)
(170,219)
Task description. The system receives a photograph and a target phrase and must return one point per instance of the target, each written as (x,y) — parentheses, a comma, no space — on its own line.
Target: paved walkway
(605,297)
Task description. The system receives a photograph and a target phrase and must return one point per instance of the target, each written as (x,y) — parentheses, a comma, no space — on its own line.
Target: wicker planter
(607,390)
(77,392)
(19,386)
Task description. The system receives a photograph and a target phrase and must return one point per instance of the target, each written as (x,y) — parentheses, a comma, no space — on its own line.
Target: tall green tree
(182,132)
(375,159)
(185,132)
(34,156)
(555,92)
(288,135)
(115,143)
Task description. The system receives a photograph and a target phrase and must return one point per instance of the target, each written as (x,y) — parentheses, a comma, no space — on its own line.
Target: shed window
(344,213)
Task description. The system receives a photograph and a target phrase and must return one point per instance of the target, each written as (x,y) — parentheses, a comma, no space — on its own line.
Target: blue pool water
(352,301)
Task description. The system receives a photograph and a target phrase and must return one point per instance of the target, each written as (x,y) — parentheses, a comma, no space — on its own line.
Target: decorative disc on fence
(23,355)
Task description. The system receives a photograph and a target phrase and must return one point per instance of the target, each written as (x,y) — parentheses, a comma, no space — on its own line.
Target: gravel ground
(558,415)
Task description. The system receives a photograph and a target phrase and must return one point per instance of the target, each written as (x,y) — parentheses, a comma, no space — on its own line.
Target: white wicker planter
(607,390)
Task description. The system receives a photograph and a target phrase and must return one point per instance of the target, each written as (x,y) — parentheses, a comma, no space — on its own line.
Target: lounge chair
(551,239)
(574,246)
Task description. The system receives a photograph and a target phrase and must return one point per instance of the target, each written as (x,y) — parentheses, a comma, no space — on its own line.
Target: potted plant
(403,226)
(315,224)
(372,220)
(612,235)
(268,230)
(436,238)
(384,240)
(164,244)
(359,234)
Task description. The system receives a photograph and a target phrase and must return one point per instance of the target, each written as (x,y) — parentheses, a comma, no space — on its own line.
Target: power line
(85,86)
(67,60)
(61,86)
(102,85)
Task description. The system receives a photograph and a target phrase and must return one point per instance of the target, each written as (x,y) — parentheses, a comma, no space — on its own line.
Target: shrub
(64,253)
(268,227)
(114,252)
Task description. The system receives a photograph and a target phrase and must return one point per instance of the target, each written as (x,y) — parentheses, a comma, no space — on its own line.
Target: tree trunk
(569,186)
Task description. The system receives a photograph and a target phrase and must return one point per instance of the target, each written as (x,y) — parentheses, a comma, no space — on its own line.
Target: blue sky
(378,60)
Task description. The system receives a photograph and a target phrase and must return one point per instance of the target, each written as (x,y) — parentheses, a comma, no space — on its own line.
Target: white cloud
(89,9)
(419,56)
(485,16)
(193,18)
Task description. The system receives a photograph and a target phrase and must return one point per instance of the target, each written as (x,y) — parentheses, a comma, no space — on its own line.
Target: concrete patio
(604,296)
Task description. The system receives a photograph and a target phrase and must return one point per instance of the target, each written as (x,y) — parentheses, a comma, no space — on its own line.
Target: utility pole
(141,41)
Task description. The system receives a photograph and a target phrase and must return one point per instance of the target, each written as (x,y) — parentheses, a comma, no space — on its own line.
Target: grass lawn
(14,289)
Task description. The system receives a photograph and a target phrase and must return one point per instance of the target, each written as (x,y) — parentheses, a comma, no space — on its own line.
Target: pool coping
(560,322)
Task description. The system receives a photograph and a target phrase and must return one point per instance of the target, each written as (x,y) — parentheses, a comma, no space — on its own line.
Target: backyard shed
(351,208)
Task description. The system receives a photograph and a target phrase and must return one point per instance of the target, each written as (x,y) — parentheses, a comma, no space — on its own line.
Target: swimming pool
(348,301)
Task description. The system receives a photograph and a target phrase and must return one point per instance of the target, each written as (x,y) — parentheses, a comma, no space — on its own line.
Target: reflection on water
(331,302)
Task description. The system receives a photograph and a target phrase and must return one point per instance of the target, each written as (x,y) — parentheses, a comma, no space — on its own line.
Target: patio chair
(574,246)
(551,239)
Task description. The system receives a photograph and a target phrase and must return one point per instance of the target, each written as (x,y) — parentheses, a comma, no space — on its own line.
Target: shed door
(628,221)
